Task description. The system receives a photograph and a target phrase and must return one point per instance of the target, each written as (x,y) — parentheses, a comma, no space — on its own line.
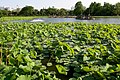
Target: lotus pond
(46,19)
(59,51)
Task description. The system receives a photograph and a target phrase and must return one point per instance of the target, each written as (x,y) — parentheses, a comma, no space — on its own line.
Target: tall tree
(51,11)
(62,12)
(79,8)
(27,11)
(107,9)
(94,9)
(43,12)
(36,12)
(117,9)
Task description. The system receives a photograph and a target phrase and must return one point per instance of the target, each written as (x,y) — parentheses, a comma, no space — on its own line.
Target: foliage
(95,9)
(75,51)
(27,11)
(117,8)
(61,69)
(79,8)
(54,12)
(108,9)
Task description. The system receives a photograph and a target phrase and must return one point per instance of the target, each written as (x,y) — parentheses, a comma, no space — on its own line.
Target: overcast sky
(38,4)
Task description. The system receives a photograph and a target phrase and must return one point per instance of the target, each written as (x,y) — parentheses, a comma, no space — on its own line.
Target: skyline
(39,4)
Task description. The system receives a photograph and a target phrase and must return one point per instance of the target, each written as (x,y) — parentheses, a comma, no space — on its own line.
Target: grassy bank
(106,16)
(20,18)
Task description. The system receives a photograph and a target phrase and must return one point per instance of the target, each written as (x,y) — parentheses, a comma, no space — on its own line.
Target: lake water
(57,20)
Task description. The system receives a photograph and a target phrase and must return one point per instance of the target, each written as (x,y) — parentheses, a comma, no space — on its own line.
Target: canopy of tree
(27,11)
(79,8)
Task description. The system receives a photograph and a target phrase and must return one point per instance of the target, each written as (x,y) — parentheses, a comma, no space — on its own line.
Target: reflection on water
(57,20)
(37,20)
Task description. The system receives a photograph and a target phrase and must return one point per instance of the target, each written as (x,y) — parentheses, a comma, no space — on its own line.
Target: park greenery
(95,9)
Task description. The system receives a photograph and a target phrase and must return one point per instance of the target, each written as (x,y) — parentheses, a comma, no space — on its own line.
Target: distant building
(4,8)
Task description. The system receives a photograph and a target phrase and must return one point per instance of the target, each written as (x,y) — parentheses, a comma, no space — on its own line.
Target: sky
(39,4)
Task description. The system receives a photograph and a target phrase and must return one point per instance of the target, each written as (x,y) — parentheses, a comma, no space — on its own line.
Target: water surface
(57,20)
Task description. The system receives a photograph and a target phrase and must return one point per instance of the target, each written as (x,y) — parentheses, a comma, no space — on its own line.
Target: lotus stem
(7,57)
(0,55)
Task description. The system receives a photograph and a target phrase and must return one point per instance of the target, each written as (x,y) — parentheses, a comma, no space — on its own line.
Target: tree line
(30,11)
(95,9)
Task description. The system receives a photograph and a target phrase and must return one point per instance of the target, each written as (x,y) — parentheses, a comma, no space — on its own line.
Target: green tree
(43,12)
(117,8)
(0,13)
(27,11)
(4,13)
(51,11)
(36,12)
(79,8)
(70,12)
(94,9)
(62,12)
(107,9)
